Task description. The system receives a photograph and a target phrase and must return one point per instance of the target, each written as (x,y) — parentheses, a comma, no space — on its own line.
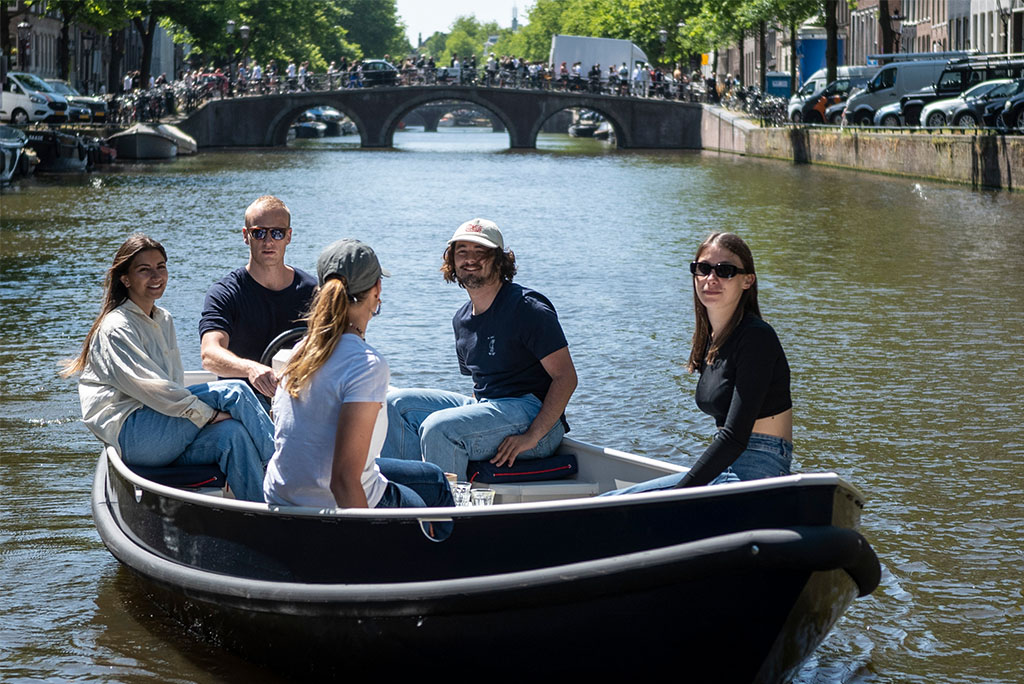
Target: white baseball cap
(480,231)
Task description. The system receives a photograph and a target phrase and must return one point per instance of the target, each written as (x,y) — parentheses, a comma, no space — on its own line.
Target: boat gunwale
(411,594)
(446,513)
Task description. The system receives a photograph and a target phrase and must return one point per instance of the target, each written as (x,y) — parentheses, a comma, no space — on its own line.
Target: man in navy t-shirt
(252,305)
(508,338)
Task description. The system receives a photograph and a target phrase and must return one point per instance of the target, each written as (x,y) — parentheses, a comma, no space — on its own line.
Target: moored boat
(544,581)
(186,143)
(12,143)
(310,129)
(58,152)
(143,141)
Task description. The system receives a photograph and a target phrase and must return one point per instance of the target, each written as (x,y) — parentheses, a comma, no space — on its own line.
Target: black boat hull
(633,582)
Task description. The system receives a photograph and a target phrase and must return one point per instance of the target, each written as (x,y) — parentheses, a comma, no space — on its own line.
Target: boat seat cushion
(554,467)
(188,477)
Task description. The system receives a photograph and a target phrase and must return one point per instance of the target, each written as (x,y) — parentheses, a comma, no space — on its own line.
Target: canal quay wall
(983,159)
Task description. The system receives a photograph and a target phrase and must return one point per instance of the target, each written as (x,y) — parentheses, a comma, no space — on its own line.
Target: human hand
(219,416)
(511,447)
(263,378)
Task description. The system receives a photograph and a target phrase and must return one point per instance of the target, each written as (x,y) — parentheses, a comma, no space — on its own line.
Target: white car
(27,98)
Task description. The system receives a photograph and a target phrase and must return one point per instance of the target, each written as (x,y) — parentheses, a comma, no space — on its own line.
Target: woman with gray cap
(329,414)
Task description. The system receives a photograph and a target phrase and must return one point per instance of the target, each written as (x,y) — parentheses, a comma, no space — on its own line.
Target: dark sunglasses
(722,270)
(261,233)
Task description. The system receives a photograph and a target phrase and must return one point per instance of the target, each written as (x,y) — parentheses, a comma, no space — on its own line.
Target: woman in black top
(744,375)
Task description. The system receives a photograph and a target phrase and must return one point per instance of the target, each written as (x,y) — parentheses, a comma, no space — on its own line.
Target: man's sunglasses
(722,270)
(261,233)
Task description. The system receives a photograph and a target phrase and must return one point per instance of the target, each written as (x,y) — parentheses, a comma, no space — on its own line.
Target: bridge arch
(277,130)
(621,132)
(396,115)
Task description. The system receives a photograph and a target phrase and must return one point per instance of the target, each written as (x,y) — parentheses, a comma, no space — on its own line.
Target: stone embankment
(982,159)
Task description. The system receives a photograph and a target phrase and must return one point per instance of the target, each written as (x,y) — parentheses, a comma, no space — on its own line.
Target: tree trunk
(147,47)
(63,51)
(115,70)
(741,74)
(831,40)
(888,42)
(792,57)
(762,56)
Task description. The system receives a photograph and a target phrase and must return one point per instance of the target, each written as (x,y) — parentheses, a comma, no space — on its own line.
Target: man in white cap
(508,338)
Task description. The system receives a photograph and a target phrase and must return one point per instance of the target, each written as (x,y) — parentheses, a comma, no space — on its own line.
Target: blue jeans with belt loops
(765,456)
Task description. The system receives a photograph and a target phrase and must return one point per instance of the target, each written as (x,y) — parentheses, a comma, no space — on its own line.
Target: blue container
(776,83)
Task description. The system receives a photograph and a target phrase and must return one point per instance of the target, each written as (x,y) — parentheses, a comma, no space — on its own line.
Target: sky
(427,16)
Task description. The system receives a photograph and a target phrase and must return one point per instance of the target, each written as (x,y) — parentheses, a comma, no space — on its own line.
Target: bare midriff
(779,425)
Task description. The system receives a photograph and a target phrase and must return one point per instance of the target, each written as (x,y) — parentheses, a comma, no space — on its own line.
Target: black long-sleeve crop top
(748,380)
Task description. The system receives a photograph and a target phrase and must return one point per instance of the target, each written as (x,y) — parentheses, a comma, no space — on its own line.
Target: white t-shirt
(299,474)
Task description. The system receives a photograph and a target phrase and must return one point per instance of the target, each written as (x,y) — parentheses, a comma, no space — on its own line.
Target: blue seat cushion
(524,470)
(188,477)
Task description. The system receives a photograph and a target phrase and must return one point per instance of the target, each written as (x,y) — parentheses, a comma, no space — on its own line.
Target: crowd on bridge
(248,78)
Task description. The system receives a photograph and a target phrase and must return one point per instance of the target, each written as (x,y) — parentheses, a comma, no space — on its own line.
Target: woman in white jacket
(131,384)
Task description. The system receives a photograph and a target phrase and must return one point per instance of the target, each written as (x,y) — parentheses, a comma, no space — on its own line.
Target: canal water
(898,302)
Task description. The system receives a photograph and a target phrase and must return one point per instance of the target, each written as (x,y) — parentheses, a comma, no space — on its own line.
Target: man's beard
(472,281)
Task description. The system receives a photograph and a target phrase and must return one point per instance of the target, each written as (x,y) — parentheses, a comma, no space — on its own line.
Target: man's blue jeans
(241,446)
(450,429)
(765,456)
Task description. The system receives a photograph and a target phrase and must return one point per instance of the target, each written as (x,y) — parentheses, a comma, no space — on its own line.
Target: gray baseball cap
(352,259)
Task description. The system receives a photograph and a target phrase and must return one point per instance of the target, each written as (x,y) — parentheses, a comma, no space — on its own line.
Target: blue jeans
(413,484)
(450,429)
(765,456)
(241,446)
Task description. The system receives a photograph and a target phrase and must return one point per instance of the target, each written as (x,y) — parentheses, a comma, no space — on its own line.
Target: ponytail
(326,322)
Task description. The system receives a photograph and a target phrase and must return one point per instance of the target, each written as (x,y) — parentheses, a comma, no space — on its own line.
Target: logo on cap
(475,228)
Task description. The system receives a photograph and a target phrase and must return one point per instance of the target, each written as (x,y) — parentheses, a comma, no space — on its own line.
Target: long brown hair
(504,264)
(702,352)
(326,323)
(115,293)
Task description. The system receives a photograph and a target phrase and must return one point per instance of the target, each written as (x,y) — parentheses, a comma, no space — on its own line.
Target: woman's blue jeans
(413,484)
(765,456)
(241,446)
(450,429)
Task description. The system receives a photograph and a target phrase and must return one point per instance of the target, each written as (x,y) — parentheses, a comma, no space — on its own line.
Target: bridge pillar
(430,118)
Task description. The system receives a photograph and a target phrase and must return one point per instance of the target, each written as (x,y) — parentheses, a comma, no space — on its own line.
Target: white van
(813,86)
(27,98)
(892,82)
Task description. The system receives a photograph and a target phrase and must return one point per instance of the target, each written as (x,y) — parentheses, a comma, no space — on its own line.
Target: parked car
(991,111)
(940,112)
(1012,116)
(957,77)
(814,108)
(97,106)
(889,116)
(891,83)
(378,72)
(27,98)
(816,83)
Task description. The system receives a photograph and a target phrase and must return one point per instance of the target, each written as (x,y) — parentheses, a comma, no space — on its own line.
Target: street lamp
(895,25)
(1004,16)
(24,45)
(87,43)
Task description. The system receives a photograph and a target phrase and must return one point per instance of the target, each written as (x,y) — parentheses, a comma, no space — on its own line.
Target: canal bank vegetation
(314,31)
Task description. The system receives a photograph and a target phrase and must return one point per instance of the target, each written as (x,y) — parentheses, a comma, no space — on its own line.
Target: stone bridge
(264,120)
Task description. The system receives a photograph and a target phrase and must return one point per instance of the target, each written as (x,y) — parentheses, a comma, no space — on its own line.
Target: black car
(815,107)
(96,108)
(1008,115)
(377,72)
